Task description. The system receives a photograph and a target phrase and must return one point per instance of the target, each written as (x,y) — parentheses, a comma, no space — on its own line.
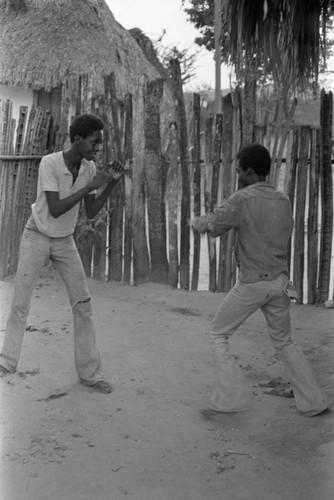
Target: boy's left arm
(93,204)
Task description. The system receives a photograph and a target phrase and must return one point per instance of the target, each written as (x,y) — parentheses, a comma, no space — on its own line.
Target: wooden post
(154,174)
(197,187)
(290,181)
(140,249)
(64,114)
(218,29)
(326,120)
(21,125)
(172,197)
(299,247)
(285,129)
(208,162)
(128,158)
(184,161)
(312,223)
(214,198)
(114,149)
(278,132)
(7,190)
(225,271)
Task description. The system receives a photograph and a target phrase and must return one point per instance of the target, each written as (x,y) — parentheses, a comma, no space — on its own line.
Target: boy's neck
(72,158)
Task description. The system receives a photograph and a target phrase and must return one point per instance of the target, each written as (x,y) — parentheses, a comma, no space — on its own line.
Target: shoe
(211,412)
(280,387)
(3,371)
(102,386)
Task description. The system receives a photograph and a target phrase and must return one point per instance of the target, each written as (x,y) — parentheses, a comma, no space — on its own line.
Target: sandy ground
(147,440)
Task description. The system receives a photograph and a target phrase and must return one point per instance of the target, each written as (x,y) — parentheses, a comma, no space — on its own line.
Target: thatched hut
(63,57)
(43,42)
(47,45)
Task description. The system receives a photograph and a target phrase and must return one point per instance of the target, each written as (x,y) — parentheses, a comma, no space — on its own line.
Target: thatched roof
(147,47)
(42,42)
(289,34)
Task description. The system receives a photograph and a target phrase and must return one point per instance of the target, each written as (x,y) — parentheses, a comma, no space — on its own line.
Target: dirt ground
(147,440)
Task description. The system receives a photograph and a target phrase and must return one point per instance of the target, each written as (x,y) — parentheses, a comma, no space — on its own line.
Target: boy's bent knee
(84,301)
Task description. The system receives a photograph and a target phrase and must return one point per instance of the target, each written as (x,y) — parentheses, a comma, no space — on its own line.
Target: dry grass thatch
(50,40)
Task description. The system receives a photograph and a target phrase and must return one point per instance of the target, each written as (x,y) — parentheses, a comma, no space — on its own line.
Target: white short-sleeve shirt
(54,175)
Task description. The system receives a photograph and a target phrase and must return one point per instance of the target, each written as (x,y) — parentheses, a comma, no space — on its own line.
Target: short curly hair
(256,157)
(84,125)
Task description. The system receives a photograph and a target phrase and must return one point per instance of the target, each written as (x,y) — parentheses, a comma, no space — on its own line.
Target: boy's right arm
(59,207)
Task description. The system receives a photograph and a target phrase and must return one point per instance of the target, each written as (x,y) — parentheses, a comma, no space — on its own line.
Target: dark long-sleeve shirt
(263,223)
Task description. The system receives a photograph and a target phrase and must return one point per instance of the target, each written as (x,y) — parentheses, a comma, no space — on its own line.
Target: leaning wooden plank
(35,147)
(6,215)
(17,212)
(10,140)
(7,126)
(30,187)
(21,125)
(4,222)
(29,132)
(44,132)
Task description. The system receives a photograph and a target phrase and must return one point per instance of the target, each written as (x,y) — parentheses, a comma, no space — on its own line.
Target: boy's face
(89,147)
(243,177)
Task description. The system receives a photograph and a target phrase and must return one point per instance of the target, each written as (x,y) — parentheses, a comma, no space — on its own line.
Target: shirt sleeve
(224,217)
(48,175)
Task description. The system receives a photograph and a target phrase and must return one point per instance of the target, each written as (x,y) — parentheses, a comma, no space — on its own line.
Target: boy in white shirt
(65,178)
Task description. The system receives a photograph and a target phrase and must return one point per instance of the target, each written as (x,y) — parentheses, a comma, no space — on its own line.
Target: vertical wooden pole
(184,161)
(197,187)
(156,209)
(326,120)
(128,158)
(208,162)
(172,197)
(299,247)
(214,198)
(140,249)
(117,195)
(225,255)
(312,223)
(218,29)
(207,187)
(284,135)
(290,181)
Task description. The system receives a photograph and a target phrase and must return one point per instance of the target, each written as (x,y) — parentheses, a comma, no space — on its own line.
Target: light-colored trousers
(36,249)
(230,393)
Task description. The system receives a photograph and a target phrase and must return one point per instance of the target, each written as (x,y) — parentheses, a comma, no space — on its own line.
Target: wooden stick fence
(146,228)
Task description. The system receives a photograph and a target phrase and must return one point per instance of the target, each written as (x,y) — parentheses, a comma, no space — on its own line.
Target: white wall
(19,97)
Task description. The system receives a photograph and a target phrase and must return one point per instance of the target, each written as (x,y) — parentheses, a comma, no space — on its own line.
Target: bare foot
(102,386)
